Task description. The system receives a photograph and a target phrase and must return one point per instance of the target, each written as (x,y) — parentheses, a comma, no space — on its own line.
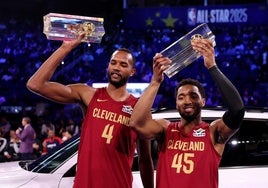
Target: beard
(190,117)
(117,84)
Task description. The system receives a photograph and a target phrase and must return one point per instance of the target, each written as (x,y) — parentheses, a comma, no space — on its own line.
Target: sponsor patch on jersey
(127,109)
(199,133)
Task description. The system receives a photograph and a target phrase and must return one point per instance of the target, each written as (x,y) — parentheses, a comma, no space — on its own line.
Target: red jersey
(187,160)
(51,143)
(107,144)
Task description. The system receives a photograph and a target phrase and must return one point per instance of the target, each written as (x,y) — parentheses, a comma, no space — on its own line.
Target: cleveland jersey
(187,160)
(107,144)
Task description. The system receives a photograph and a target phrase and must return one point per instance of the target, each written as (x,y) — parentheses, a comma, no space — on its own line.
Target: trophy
(68,27)
(181,52)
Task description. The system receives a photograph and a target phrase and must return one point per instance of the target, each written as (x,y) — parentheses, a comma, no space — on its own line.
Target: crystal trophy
(181,52)
(68,27)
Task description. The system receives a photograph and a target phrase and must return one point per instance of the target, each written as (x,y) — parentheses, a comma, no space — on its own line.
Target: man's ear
(203,102)
(133,71)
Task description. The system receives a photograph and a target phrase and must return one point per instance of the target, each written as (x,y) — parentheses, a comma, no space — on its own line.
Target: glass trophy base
(181,52)
(68,27)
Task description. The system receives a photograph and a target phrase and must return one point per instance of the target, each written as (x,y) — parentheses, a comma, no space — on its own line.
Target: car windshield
(54,159)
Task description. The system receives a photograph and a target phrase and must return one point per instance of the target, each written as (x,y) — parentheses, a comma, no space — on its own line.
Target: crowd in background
(241,53)
(18,143)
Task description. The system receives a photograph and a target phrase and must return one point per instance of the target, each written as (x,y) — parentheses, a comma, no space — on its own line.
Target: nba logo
(191,16)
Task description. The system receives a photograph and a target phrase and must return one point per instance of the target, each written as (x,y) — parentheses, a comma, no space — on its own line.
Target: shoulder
(164,123)
(84,92)
(46,140)
(59,139)
(81,87)
(30,127)
(220,132)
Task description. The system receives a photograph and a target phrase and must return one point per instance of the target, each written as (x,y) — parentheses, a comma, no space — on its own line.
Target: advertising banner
(174,17)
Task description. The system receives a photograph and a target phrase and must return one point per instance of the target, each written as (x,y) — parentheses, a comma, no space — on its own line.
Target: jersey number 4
(183,162)
(108,133)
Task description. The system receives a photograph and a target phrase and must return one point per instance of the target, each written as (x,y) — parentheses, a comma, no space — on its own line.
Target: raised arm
(224,128)
(40,82)
(141,118)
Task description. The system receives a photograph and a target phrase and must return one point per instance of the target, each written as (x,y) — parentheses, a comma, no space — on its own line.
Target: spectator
(72,127)
(50,142)
(26,134)
(3,143)
(5,126)
(37,148)
(66,134)
(11,152)
(46,126)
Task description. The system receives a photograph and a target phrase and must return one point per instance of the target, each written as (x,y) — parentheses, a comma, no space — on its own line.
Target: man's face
(189,102)
(120,68)
(51,133)
(23,121)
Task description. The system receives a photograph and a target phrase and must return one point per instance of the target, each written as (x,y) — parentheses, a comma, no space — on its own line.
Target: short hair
(27,119)
(189,81)
(128,51)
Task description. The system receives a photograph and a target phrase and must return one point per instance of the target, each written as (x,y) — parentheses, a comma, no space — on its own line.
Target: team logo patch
(199,133)
(127,109)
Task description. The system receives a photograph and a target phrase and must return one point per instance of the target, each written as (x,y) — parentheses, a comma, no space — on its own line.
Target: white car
(244,163)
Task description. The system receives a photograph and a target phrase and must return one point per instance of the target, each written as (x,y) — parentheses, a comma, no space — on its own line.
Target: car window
(57,156)
(54,159)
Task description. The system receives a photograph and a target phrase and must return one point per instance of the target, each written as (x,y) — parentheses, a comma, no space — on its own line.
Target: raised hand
(160,64)
(206,49)
(73,43)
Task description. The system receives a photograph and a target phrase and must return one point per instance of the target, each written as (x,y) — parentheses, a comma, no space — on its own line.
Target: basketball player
(107,143)
(190,149)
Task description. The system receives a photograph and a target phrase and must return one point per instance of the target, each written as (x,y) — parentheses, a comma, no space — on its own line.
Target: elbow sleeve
(235,113)
(233,120)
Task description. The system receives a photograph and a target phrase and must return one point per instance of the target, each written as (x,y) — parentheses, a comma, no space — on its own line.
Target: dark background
(105,8)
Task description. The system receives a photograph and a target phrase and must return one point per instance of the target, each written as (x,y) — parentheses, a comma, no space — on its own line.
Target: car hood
(11,171)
